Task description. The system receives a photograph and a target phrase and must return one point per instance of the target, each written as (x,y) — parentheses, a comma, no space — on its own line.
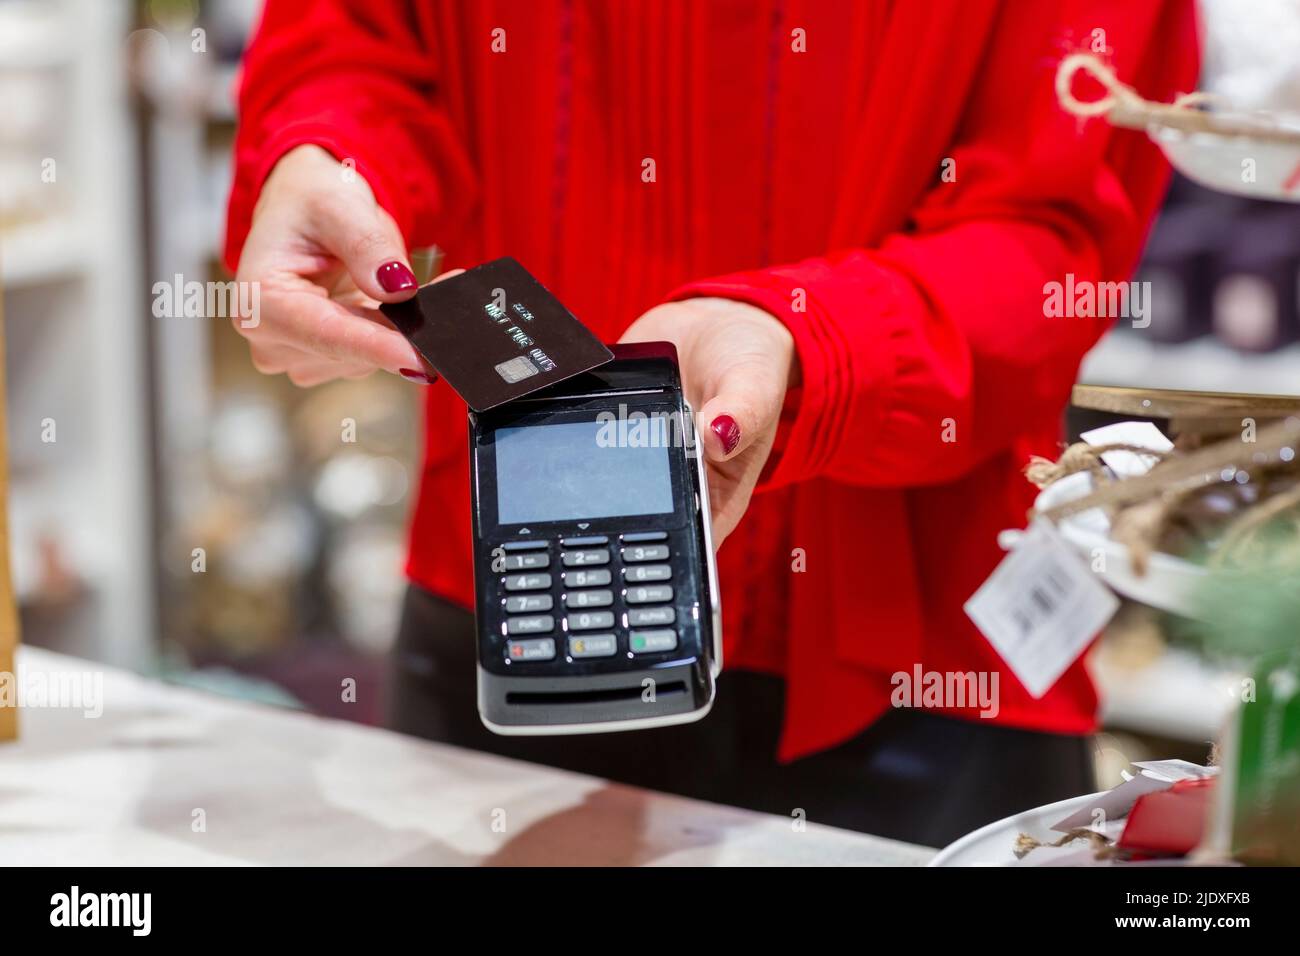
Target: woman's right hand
(324,255)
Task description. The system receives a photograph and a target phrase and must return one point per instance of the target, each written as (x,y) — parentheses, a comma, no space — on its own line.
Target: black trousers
(913,775)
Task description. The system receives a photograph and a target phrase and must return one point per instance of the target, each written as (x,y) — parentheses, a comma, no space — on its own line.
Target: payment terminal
(597,595)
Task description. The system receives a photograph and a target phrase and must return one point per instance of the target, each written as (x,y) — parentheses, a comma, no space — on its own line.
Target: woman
(844,215)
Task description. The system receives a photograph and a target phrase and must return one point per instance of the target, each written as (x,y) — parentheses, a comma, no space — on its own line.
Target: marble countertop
(168,775)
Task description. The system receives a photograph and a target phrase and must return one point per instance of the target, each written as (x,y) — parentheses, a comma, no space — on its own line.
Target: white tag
(1041,607)
(1175,770)
(1128,464)
(1114,804)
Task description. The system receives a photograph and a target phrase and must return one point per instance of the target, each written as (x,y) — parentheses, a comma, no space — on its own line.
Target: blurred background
(115,162)
(136,440)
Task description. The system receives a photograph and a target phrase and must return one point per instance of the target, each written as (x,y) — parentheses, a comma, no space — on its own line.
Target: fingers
(322,254)
(310,374)
(304,318)
(366,240)
(744,406)
(303,368)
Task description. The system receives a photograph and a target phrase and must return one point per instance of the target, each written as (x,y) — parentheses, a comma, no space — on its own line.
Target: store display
(1222,499)
(1205,526)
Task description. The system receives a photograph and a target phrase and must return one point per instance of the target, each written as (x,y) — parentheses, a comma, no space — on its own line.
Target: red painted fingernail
(395,277)
(420,378)
(728,432)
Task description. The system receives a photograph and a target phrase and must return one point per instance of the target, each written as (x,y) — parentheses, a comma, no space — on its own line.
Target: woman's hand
(737,362)
(324,255)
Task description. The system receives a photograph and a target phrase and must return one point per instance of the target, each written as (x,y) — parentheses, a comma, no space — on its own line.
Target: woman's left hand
(737,362)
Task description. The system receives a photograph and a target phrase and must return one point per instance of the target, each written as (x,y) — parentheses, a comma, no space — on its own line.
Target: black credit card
(495,334)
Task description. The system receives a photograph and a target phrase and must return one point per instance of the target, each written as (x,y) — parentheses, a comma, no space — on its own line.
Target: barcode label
(1041,607)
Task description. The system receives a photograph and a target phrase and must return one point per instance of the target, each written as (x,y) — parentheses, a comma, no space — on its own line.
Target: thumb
(364,237)
(746,401)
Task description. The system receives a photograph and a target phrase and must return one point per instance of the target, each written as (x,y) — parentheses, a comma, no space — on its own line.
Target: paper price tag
(1128,464)
(1041,607)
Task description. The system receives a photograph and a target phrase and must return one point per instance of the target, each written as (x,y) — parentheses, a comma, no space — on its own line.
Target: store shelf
(1128,358)
(1179,695)
(80,505)
(34,36)
(40,252)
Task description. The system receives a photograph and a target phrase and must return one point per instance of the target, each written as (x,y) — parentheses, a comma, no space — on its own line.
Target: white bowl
(1170,583)
(993,845)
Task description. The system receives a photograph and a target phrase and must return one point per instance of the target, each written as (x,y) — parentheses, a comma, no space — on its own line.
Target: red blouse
(799,153)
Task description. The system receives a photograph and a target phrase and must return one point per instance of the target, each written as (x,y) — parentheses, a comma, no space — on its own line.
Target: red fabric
(784,174)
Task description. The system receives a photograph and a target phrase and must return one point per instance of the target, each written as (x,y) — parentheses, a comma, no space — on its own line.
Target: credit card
(495,334)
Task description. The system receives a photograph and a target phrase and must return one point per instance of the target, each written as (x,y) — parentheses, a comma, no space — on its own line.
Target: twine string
(1124,106)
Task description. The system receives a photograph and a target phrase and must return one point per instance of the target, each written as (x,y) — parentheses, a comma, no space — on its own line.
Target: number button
(645,552)
(591,620)
(527,561)
(650,594)
(595,578)
(589,599)
(648,572)
(528,582)
(575,559)
(527,603)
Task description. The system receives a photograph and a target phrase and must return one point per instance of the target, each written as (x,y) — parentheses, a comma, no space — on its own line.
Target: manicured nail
(420,378)
(395,277)
(728,432)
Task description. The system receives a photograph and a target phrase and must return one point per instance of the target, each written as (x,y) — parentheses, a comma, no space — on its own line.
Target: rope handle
(1123,106)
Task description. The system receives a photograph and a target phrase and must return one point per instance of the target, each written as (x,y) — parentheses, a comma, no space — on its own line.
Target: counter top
(173,776)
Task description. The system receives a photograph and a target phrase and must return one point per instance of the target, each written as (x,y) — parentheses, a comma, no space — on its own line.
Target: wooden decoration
(1183,405)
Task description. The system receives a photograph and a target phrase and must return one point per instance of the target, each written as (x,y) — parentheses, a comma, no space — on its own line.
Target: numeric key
(649,593)
(577,559)
(637,553)
(588,598)
(595,578)
(528,582)
(591,620)
(647,572)
(526,603)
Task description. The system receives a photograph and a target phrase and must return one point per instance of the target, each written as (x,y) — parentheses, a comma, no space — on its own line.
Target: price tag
(1041,607)
(1128,464)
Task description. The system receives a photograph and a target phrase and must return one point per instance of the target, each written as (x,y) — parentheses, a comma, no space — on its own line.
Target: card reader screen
(578,470)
